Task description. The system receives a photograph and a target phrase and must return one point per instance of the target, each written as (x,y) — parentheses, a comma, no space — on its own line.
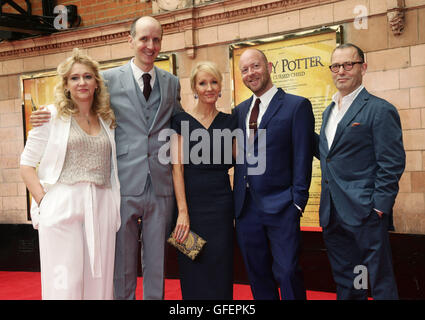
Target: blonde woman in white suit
(75,190)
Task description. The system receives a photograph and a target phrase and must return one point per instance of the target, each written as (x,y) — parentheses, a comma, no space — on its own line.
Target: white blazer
(46,147)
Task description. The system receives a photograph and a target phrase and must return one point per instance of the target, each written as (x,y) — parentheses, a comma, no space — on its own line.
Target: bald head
(255,71)
(254,52)
(144,21)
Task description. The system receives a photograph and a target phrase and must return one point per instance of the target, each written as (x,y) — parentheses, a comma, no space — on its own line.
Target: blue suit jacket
(362,167)
(287,153)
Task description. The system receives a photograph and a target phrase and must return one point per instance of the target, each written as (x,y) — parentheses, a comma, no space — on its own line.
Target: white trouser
(77,232)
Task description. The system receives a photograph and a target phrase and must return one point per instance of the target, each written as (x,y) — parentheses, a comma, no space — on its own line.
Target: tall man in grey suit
(362,159)
(143,98)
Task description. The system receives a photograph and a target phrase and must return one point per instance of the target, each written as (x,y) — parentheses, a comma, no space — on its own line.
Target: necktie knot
(146,78)
(147,85)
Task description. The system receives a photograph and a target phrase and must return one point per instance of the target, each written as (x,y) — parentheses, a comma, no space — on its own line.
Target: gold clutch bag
(191,246)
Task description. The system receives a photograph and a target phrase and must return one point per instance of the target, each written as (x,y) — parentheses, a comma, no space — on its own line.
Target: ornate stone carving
(159,6)
(395,15)
(396,21)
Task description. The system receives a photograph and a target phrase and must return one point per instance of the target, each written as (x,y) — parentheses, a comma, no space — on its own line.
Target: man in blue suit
(270,195)
(362,159)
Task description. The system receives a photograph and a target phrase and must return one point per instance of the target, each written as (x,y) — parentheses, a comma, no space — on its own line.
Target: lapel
(129,86)
(110,132)
(242,143)
(59,135)
(325,118)
(244,113)
(163,92)
(272,108)
(61,128)
(352,111)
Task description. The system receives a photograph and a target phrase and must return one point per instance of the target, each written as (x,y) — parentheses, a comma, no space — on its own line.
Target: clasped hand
(181,231)
(39,117)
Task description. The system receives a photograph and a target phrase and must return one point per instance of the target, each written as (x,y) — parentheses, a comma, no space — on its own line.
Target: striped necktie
(147,89)
(253,120)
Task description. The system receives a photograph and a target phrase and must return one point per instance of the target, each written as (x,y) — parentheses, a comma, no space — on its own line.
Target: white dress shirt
(338,112)
(265,101)
(138,73)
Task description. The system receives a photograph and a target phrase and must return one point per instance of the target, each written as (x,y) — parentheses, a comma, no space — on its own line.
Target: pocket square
(355,124)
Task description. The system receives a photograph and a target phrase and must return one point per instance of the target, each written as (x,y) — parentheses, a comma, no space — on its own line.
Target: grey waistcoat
(150,107)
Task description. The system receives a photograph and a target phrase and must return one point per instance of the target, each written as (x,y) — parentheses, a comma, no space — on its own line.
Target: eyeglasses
(346,65)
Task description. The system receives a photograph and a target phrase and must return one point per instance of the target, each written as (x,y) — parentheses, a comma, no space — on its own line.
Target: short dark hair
(133,27)
(350,45)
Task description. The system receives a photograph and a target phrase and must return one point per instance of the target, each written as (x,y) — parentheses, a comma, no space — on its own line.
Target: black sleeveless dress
(210,205)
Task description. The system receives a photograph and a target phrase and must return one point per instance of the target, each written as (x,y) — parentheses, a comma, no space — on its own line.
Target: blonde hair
(65,105)
(208,67)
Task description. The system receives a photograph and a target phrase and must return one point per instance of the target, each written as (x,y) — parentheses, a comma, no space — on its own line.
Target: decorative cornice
(64,41)
(230,16)
(173,22)
(183,20)
(227,12)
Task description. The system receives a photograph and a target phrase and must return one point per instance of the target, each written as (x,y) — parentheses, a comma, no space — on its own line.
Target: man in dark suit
(362,159)
(271,194)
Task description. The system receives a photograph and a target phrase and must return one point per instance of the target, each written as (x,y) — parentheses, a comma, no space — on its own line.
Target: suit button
(328,159)
(326,181)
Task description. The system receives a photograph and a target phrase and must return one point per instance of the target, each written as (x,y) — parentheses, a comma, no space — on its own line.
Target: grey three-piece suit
(146,184)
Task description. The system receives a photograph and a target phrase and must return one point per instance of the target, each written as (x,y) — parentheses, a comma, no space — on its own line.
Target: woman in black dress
(202,188)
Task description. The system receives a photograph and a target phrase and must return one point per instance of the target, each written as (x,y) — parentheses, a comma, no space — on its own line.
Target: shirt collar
(267,96)
(349,98)
(137,72)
